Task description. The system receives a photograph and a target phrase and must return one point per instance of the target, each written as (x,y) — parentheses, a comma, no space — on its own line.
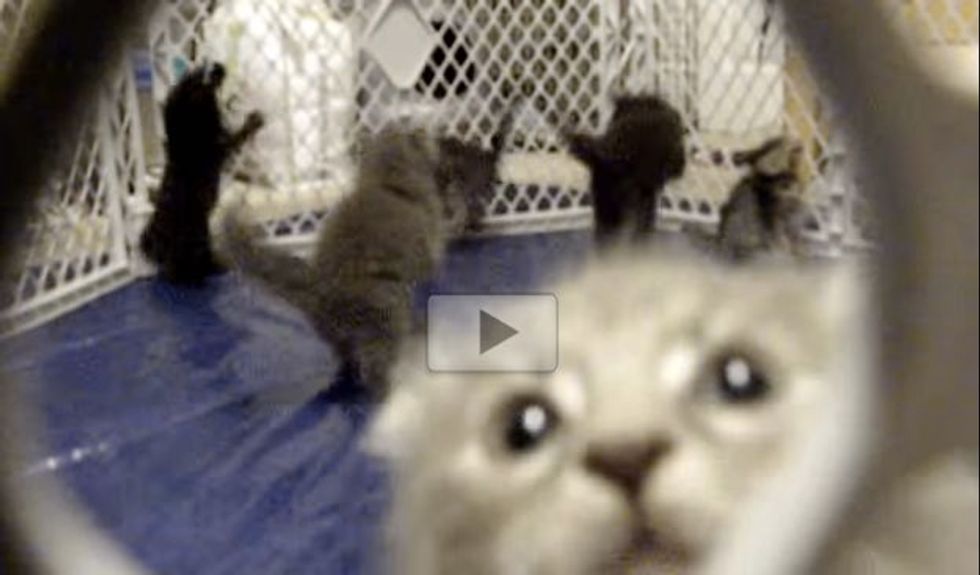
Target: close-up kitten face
(669,406)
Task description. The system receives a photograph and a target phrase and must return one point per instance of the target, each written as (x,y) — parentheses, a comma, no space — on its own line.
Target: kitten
(412,198)
(640,152)
(198,144)
(762,214)
(673,401)
(466,174)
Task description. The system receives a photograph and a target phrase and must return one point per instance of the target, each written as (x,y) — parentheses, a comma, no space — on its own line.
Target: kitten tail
(285,275)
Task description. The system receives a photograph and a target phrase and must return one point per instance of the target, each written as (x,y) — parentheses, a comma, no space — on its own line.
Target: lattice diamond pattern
(75,239)
(726,64)
(124,136)
(291,66)
(939,21)
(60,244)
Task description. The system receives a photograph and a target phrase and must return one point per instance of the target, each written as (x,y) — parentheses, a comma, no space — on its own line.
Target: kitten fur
(465,176)
(198,144)
(647,460)
(762,213)
(631,163)
(412,197)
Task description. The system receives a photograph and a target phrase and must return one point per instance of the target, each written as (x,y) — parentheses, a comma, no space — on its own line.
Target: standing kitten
(391,233)
(674,400)
(641,151)
(198,144)
(465,176)
(762,213)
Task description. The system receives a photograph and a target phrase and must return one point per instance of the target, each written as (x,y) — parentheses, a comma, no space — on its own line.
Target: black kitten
(763,211)
(631,163)
(198,145)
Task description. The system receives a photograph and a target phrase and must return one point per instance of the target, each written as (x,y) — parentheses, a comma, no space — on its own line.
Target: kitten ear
(752,157)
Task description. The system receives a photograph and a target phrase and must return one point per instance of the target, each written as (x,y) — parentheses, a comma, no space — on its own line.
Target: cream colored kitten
(682,387)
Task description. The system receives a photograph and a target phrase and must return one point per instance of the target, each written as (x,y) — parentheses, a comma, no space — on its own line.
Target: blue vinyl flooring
(157,410)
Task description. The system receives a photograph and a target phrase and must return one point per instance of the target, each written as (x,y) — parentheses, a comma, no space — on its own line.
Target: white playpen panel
(724,63)
(75,248)
(325,72)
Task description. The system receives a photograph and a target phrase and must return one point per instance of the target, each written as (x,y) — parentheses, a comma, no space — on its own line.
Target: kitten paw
(254,121)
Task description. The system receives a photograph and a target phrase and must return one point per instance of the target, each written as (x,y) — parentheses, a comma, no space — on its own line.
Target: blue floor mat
(157,411)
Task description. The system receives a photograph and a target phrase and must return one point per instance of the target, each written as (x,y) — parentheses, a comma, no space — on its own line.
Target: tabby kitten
(763,214)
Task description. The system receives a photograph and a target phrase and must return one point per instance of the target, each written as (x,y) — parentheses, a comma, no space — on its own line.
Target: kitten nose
(625,464)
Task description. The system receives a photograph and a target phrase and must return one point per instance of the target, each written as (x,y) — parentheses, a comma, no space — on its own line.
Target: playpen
(325,72)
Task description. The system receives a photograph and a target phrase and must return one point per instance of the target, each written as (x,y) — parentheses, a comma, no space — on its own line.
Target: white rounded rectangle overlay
(518,333)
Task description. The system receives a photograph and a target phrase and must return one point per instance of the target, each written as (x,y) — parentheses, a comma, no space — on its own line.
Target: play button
(492,333)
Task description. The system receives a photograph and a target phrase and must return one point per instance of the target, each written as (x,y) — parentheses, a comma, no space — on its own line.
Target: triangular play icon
(493,332)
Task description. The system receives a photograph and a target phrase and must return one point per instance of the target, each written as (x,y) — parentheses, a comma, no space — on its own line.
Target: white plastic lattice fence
(326,71)
(75,249)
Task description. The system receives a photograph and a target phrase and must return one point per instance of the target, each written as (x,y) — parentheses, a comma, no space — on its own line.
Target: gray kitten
(414,194)
(763,212)
(674,400)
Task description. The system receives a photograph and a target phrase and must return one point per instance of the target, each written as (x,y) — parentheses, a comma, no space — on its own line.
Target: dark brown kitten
(631,163)
(198,144)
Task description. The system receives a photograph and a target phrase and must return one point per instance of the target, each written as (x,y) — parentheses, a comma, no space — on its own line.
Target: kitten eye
(738,380)
(528,422)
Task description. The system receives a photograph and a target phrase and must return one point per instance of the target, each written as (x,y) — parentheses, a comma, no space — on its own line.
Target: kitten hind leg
(375,360)
(609,218)
(211,265)
(608,228)
(377,350)
(646,216)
